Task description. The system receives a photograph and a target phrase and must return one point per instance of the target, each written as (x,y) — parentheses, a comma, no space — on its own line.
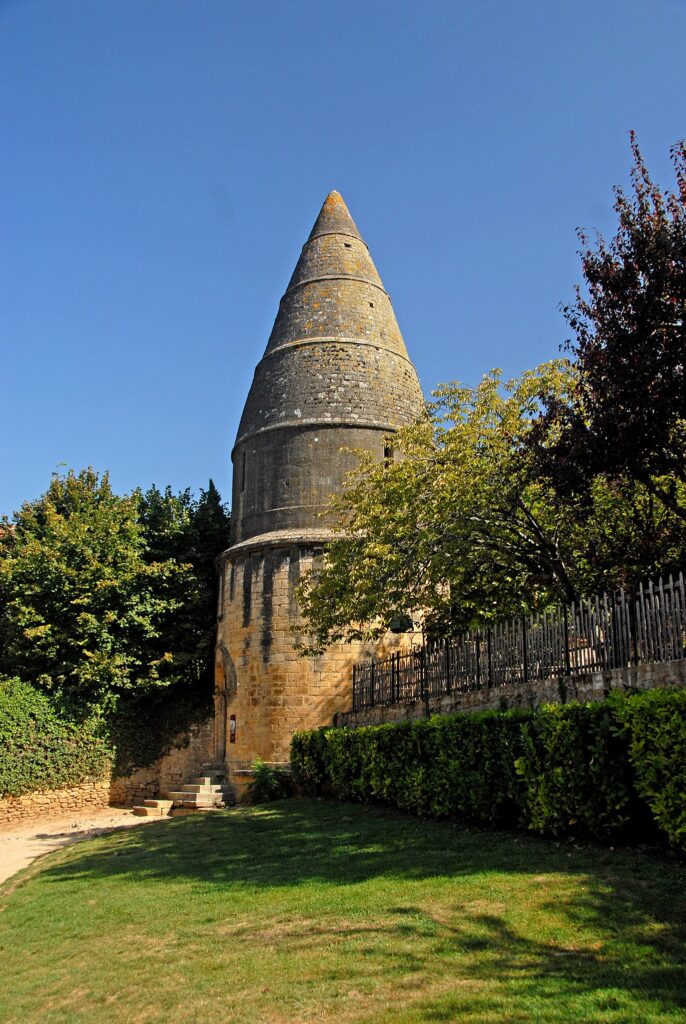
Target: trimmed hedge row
(39,750)
(615,769)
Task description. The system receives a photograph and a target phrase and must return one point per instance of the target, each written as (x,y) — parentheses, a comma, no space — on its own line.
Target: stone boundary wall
(57,803)
(177,767)
(171,771)
(665,675)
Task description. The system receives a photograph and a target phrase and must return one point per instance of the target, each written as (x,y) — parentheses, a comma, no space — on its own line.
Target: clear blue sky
(162,161)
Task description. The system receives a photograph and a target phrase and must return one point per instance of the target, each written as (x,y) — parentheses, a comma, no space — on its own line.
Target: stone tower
(335,375)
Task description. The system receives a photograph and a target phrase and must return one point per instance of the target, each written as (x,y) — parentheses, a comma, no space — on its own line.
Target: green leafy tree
(187,532)
(191,532)
(463,528)
(80,604)
(455,527)
(105,598)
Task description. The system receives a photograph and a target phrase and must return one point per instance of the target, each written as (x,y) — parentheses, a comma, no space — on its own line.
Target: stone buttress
(335,375)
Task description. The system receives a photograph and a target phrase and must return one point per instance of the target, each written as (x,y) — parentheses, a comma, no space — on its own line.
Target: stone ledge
(316,423)
(330,339)
(278,539)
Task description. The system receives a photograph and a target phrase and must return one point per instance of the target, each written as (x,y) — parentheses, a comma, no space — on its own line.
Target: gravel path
(21,844)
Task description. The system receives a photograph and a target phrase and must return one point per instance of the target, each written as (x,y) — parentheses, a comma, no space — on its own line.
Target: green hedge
(656,723)
(39,750)
(612,770)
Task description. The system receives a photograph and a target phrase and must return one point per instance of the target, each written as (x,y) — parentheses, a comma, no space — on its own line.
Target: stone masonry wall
(182,763)
(170,772)
(335,379)
(551,691)
(89,796)
(291,473)
(262,680)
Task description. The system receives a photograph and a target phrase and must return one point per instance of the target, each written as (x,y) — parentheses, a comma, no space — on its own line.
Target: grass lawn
(309,911)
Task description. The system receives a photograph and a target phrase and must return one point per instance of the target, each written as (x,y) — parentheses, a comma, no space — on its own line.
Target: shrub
(269,783)
(600,770)
(656,722)
(577,772)
(308,752)
(459,766)
(38,750)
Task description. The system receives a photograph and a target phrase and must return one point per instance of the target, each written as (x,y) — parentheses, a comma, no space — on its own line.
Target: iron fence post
(633,626)
(525,653)
(422,679)
(565,640)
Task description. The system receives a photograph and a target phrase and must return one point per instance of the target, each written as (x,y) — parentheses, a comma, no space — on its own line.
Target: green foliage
(454,766)
(576,770)
(415,766)
(39,750)
(79,603)
(269,783)
(308,760)
(108,605)
(656,722)
(568,481)
(188,532)
(606,770)
(465,528)
(455,528)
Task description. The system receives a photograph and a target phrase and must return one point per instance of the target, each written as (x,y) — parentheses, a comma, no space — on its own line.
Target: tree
(463,529)
(571,481)
(106,598)
(79,603)
(192,532)
(628,416)
(456,528)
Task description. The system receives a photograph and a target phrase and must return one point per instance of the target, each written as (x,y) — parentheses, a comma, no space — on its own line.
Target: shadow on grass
(636,902)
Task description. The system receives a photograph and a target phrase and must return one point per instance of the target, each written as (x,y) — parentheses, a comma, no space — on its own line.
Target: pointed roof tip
(334,218)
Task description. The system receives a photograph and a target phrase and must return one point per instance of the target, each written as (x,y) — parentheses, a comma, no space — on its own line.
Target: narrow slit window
(388,453)
(243,473)
(347,245)
(372,305)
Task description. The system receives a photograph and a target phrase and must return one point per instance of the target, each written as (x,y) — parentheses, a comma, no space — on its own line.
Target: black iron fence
(629,627)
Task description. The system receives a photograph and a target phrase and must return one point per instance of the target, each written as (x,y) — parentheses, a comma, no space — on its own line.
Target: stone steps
(154,808)
(206,787)
(205,792)
(183,799)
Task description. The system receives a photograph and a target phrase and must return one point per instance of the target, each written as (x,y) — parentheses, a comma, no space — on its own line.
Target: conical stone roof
(335,374)
(334,219)
(335,290)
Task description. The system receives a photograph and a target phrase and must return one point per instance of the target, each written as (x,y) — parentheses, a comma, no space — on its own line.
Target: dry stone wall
(169,773)
(182,763)
(56,803)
